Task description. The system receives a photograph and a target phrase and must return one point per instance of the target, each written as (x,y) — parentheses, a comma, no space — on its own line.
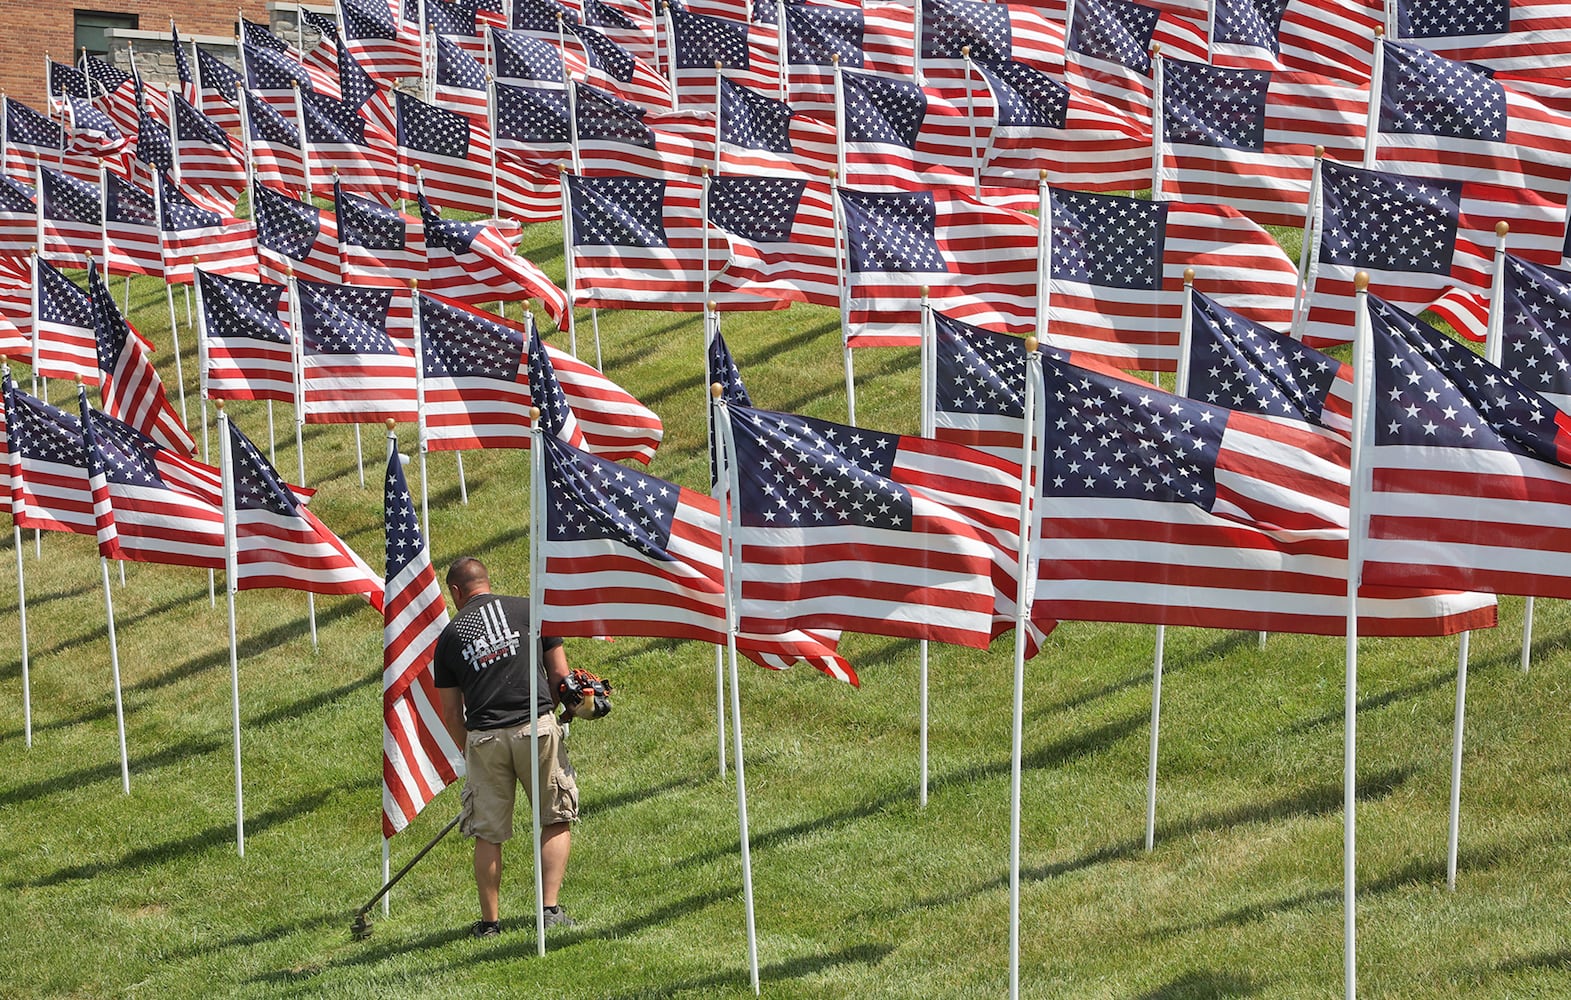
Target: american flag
(898,136)
(323,56)
(16,305)
(535,123)
(225,245)
(6,506)
(618,137)
(455,23)
(29,138)
(1116,273)
(189,90)
(1109,50)
(247,350)
(18,217)
(1041,122)
(155,148)
(1470,468)
(477,391)
(293,234)
(696,42)
(1236,363)
(1417,238)
(117,90)
(49,488)
(92,136)
(64,343)
(388,50)
(607,64)
(279,59)
(261,36)
(1160,509)
(629,23)
(719,367)
(353,371)
(845,527)
(979,392)
(540,16)
(556,418)
(149,503)
(460,79)
(70,216)
(207,156)
(377,245)
(274,145)
(1247,138)
(1531,37)
(1245,34)
(419,758)
(446,154)
(340,142)
(130,386)
(780,238)
(520,58)
(764,137)
(279,543)
(1334,38)
(995,33)
(978,262)
(273,77)
(473,262)
(627,553)
(1453,122)
(65,82)
(364,94)
(527,192)
(620,430)
(220,90)
(641,243)
(874,38)
(1535,334)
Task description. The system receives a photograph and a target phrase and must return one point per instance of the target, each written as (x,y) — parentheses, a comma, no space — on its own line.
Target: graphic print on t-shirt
(487,637)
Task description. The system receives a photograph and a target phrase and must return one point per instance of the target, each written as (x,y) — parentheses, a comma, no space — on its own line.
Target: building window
(91,26)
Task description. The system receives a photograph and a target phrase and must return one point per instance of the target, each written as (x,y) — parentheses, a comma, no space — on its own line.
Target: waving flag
(1531,37)
(1041,123)
(373,34)
(207,155)
(70,217)
(454,23)
(219,94)
(132,239)
(292,234)
(1247,138)
(478,394)
(16,306)
(225,245)
(460,79)
(641,243)
(1236,363)
(841,527)
(611,67)
(618,137)
(1116,273)
(780,235)
(520,58)
(66,82)
(1333,38)
(1535,342)
(764,137)
(49,487)
(535,124)
(980,387)
(29,139)
(131,389)
(979,263)
(1470,471)
(419,757)
(876,38)
(377,245)
(620,426)
(149,503)
(117,90)
(899,136)
(274,145)
(18,218)
(247,350)
(340,142)
(92,136)
(1172,511)
(272,76)
(1109,50)
(445,153)
(354,372)
(65,345)
(282,544)
(473,262)
(700,43)
(993,33)
(660,544)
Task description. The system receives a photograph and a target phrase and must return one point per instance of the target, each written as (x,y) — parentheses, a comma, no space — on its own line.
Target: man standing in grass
(482,675)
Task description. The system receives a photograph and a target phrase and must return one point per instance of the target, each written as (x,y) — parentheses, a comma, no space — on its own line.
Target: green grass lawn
(859,891)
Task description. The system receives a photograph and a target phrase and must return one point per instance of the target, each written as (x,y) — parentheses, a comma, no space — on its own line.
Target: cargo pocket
(564,797)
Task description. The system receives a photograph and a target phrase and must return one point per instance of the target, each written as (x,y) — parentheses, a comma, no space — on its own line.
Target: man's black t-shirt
(482,652)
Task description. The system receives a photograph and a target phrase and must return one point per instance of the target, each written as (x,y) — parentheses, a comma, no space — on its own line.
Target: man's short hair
(465,572)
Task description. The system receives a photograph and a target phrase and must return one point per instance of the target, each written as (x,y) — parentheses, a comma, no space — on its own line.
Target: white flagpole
(297,339)
(1308,260)
(567,259)
(305,145)
(728,577)
(711,328)
(703,214)
(1210,32)
(916,48)
(671,71)
(114,666)
(843,276)
(1494,347)
(785,51)
(1372,121)
(420,440)
(1022,616)
(976,151)
(387,867)
(231,575)
(463,487)
(1044,254)
(1454,831)
(1181,387)
(1363,376)
(578,166)
(359,457)
(496,144)
(1158,122)
(272,444)
(929,423)
(201,356)
(536,608)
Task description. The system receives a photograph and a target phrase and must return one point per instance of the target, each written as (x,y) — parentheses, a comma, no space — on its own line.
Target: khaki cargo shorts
(497,760)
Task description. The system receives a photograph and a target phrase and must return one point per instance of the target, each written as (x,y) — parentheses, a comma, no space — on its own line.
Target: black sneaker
(486,928)
(555,916)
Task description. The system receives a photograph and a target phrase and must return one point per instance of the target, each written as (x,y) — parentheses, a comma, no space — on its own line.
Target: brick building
(30,29)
